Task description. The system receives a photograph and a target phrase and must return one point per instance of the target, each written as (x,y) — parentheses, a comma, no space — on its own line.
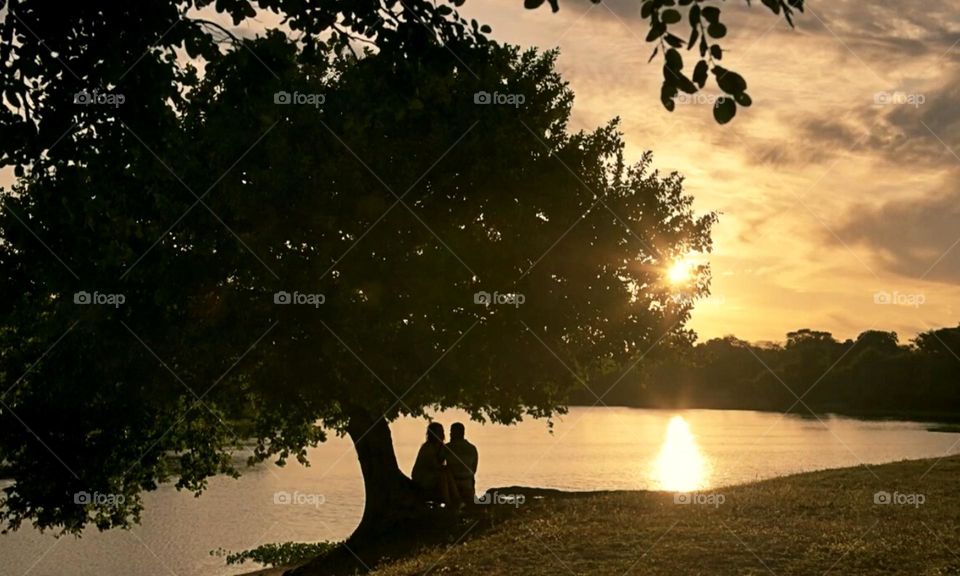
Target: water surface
(590,449)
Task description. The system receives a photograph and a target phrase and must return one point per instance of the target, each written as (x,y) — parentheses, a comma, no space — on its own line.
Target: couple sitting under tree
(445,472)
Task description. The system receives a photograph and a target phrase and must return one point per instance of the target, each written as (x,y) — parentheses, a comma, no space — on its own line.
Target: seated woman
(430,472)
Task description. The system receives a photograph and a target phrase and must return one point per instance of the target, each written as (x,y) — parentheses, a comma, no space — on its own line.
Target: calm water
(591,448)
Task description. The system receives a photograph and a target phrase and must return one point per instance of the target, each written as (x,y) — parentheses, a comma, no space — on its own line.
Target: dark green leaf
(670,16)
(717,30)
(674,60)
(700,73)
(668,91)
(656,31)
(694,36)
(685,85)
(724,110)
(729,81)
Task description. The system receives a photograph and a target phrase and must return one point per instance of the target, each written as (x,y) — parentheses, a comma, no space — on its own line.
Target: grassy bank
(815,523)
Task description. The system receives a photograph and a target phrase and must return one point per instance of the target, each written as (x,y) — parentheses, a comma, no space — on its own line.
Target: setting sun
(681,271)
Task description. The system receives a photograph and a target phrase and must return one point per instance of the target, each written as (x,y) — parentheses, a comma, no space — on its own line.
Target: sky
(838,189)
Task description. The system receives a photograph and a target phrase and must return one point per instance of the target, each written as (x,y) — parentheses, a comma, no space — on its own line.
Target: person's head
(435,432)
(456,431)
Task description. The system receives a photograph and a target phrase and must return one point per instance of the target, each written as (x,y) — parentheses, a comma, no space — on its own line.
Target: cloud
(914,238)
(909,126)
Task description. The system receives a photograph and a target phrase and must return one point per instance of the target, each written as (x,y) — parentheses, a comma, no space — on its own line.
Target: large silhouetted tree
(304,241)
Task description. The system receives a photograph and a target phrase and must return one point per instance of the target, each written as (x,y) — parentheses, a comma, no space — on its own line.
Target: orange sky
(829,195)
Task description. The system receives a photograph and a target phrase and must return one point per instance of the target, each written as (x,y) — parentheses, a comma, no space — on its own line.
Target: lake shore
(898,518)
(946,419)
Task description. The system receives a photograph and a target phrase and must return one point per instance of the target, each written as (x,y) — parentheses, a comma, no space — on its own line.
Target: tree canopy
(300,240)
(50,52)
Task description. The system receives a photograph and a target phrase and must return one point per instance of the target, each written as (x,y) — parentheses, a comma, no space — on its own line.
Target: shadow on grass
(435,528)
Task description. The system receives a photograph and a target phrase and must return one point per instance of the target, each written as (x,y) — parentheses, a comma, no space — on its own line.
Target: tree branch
(210,23)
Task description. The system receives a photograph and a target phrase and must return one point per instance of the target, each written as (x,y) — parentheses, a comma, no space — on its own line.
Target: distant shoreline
(932,418)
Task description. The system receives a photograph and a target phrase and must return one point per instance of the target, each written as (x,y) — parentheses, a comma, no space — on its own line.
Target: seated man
(462,463)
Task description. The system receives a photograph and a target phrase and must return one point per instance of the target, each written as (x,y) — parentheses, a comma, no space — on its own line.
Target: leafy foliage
(676,25)
(281,554)
(50,51)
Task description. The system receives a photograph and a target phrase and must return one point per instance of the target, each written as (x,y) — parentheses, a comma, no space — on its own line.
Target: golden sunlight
(680,467)
(680,272)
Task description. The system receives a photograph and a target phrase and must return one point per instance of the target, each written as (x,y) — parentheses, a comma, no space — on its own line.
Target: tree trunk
(390,495)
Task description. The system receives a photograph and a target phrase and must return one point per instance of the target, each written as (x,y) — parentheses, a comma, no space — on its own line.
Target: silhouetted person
(430,473)
(462,461)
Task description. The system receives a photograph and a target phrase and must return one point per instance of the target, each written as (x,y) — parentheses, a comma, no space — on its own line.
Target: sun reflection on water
(680,467)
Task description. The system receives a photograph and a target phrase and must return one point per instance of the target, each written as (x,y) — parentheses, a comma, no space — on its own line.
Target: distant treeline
(872,375)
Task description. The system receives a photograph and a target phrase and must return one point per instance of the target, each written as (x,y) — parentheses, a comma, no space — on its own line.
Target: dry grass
(816,523)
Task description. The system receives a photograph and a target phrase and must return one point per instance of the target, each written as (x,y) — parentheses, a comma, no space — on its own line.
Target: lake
(589,449)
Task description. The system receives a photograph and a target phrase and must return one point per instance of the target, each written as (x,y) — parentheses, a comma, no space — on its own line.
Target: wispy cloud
(831,185)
